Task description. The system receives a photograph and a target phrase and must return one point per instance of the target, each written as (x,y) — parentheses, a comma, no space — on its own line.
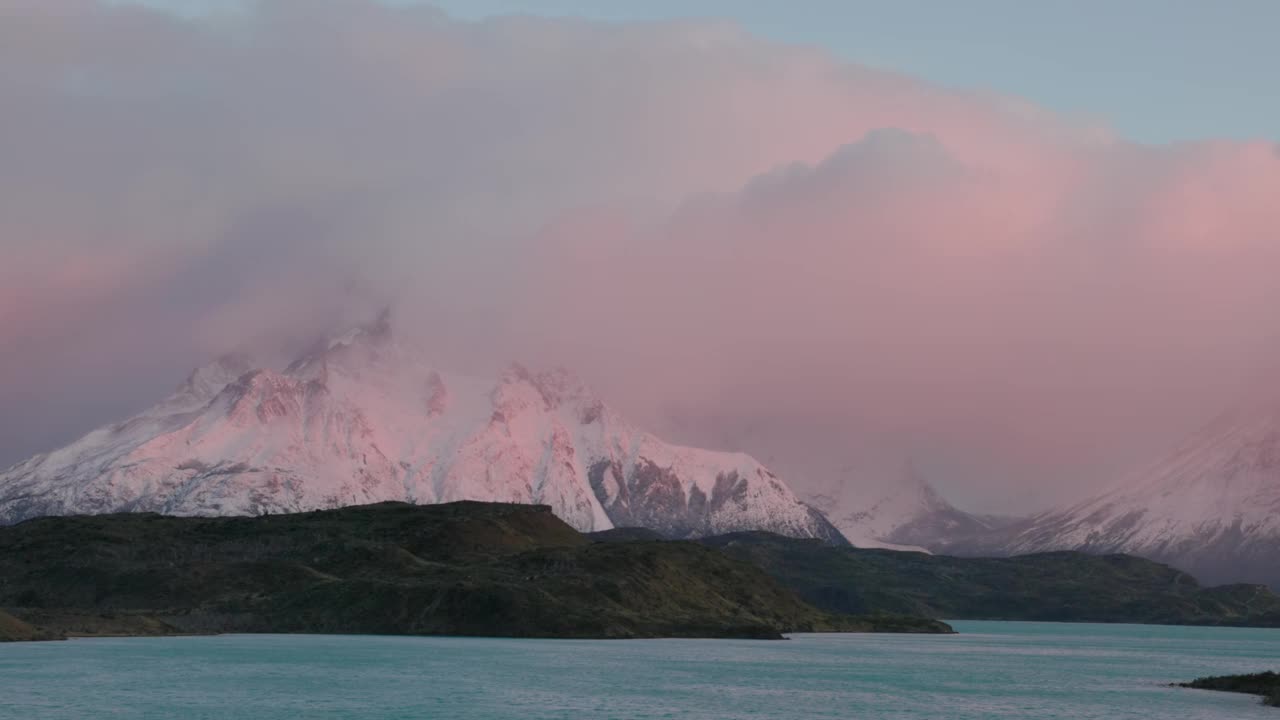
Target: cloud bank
(717,230)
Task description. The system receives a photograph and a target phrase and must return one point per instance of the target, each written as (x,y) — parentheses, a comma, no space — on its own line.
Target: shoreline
(1264,684)
(782,636)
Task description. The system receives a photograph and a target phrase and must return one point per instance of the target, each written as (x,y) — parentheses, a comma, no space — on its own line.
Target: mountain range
(1210,507)
(362,418)
(870,488)
(905,513)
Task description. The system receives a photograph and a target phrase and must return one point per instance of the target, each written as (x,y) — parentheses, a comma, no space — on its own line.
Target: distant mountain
(905,513)
(360,418)
(390,568)
(1211,507)
(1062,586)
(863,480)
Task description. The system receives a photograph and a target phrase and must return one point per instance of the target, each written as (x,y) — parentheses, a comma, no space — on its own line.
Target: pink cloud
(1061,322)
(689,215)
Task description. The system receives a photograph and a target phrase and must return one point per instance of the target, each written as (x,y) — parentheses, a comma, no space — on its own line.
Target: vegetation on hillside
(1059,586)
(457,569)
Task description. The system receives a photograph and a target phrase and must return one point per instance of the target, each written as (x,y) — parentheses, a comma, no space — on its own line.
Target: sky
(1026,248)
(1131,64)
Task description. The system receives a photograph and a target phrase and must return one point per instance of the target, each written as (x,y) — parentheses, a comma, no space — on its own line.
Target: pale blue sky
(1158,70)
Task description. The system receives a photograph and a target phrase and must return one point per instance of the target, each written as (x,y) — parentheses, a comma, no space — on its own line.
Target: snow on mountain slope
(902,511)
(361,419)
(1212,507)
(864,485)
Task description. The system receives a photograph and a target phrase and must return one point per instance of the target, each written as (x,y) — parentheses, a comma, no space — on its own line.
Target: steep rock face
(653,496)
(361,419)
(1212,508)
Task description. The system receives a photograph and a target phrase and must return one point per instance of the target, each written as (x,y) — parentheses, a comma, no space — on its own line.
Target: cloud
(691,216)
(1038,326)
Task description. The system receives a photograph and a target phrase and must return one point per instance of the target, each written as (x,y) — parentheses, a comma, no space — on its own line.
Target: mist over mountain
(362,418)
(1210,507)
(1028,304)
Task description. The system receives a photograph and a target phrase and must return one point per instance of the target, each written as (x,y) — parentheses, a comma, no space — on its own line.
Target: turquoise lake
(990,670)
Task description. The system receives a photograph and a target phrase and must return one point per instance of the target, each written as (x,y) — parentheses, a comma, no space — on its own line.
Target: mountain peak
(354,347)
(1210,507)
(375,332)
(361,419)
(557,387)
(205,382)
(918,486)
(888,503)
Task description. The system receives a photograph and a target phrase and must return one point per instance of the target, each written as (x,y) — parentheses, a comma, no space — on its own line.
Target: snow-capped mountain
(867,486)
(362,419)
(1212,507)
(904,513)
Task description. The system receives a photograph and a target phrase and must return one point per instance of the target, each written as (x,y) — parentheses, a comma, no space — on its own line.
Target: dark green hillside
(625,534)
(458,569)
(1063,586)
(13,629)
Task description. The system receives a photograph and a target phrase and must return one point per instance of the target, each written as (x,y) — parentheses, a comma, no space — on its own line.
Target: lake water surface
(990,670)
